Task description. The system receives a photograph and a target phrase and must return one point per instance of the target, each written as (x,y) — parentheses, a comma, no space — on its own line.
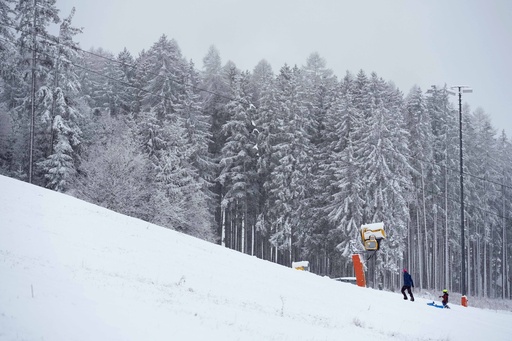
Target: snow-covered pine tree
(139,80)
(214,99)
(162,131)
(238,175)
(267,132)
(32,20)
(482,191)
(346,198)
(421,159)
(320,86)
(445,184)
(9,80)
(124,74)
(197,133)
(293,164)
(59,99)
(387,176)
(261,75)
(7,39)
(504,207)
(401,182)
(159,98)
(342,194)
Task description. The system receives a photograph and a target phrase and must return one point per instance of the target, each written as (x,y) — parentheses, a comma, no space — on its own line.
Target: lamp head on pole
(462,88)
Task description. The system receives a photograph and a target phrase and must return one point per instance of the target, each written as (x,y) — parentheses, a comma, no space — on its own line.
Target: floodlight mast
(462,89)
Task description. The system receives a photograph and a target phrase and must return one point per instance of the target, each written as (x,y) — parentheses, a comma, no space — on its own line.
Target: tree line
(284,166)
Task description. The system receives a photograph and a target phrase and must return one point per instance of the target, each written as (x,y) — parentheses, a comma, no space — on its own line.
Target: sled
(433,304)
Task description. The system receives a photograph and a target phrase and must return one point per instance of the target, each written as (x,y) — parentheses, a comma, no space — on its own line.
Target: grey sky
(406,41)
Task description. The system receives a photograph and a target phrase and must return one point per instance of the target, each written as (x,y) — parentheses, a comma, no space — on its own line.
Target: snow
(301,264)
(70,270)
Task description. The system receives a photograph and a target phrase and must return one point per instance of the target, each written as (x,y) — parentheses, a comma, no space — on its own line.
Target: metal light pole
(462,89)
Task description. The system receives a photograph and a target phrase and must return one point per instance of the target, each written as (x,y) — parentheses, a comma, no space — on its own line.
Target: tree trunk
(223,227)
(435,258)
(503,244)
(420,248)
(425,246)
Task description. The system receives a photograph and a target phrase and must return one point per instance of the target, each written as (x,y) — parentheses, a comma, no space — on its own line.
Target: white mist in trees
(215,97)
(261,75)
(319,84)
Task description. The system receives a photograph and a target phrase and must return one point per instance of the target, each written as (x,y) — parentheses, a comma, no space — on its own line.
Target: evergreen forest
(285,165)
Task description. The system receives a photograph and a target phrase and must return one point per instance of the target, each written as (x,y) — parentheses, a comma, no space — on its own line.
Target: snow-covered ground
(70,270)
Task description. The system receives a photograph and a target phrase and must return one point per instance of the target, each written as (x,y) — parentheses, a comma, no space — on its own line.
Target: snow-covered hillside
(70,270)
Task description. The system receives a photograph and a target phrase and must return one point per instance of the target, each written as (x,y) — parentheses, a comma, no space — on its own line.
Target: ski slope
(70,270)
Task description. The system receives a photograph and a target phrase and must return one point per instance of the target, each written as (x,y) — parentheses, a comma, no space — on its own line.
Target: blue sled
(435,305)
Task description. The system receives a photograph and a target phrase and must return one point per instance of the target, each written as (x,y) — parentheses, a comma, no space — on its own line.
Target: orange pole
(359,270)
(464,301)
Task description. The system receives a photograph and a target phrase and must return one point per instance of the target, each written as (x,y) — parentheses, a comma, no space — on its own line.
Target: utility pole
(33,97)
(461,89)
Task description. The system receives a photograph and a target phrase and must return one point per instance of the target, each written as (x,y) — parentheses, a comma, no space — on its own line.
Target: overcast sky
(457,42)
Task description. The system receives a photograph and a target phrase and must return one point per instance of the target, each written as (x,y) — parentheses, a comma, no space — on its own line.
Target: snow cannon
(303,265)
(371,235)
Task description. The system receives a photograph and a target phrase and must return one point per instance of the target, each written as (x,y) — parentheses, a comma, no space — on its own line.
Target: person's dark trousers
(409,291)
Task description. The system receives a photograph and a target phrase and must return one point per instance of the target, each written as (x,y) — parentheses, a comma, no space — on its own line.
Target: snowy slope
(70,270)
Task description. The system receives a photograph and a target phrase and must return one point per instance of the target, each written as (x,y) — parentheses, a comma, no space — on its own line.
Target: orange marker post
(464,301)
(359,270)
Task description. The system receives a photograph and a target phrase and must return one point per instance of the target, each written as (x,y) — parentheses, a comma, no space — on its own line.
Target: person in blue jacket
(408,284)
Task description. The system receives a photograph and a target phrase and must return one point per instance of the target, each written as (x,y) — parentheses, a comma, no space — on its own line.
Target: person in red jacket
(445,298)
